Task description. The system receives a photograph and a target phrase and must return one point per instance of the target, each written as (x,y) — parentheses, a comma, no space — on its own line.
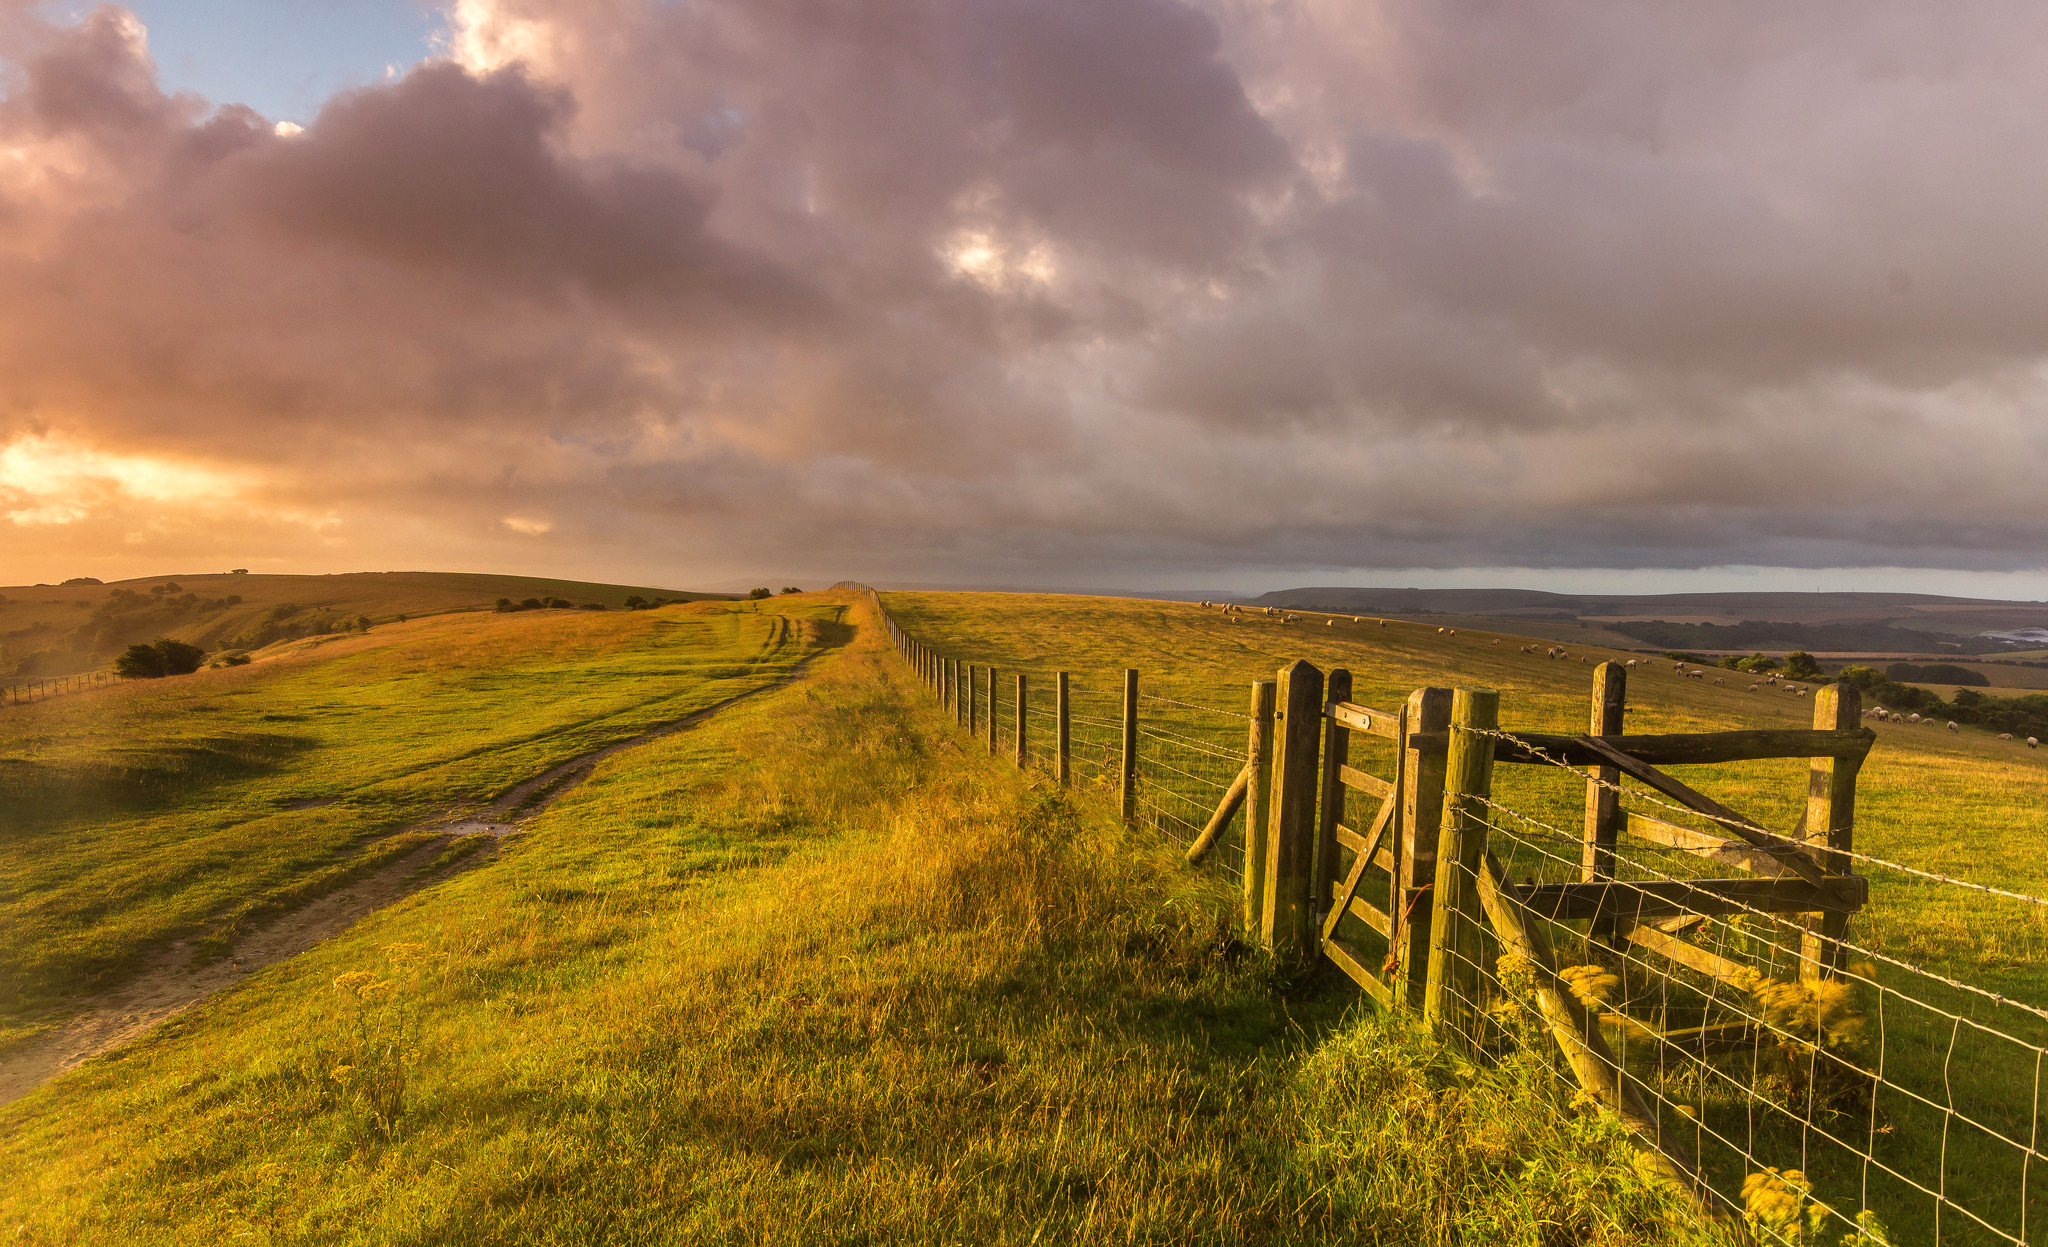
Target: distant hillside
(1900,623)
(59,629)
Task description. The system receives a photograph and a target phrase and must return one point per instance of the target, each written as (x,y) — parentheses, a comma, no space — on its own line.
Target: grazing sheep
(2032,743)
(1383,623)
(1441,631)
(1630,663)
(1753,688)
(2005,736)
(1720,680)
(1496,640)
(1912,718)
(1330,623)
(1952,726)
(1454,632)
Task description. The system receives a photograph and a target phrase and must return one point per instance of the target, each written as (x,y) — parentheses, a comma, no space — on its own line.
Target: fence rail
(1675,961)
(42,688)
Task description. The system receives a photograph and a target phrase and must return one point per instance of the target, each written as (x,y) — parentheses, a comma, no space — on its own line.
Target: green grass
(184,807)
(811,972)
(1965,805)
(38,622)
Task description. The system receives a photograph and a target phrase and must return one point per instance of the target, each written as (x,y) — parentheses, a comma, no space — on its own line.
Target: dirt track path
(170,983)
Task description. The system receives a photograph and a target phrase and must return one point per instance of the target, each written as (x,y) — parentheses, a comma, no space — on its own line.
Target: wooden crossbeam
(1791,855)
(1688,748)
(1350,962)
(1734,853)
(1372,785)
(1365,719)
(1633,902)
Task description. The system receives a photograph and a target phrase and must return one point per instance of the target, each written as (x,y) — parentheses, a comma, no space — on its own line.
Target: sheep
(1331,623)
(1496,640)
(1912,718)
(2033,743)
(1383,623)
(1720,680)
(1630,664)
(1441,631)
(2005,736)
(1753,688)
(1952,726)
(1454,632)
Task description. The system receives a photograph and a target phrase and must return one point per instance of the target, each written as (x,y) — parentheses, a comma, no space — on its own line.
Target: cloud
(1070,288)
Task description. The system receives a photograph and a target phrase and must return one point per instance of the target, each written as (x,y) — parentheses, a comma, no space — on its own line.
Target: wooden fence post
(1450,1002)
(1062,769)
(991,711)
(1023,702)
(1258,756)
(968,694)
(1288,923)
(1831,826)
(1336,753)
(1428,714)
(1127,766)
(1603,803)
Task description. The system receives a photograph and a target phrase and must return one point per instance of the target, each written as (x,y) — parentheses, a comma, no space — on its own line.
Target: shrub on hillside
(161,658)
(755,595)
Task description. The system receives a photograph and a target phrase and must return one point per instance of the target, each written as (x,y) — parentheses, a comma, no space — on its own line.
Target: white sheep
(1912,718)
(2032,743)
(1630,663)
(1720,680)
(1952,726)
(2005,736)
(1441,631)
(1330,623)
(1753,688)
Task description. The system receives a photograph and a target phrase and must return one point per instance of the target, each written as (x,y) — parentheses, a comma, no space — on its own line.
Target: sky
(1121,293)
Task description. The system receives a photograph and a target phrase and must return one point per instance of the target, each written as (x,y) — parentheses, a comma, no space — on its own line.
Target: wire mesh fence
(1807,1076)
(1853,1096)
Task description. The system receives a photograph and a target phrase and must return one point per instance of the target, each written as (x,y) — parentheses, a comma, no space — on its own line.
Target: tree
(140,662)
(1800,666)
(791,589)
(505,605)
(362,623)
(636,603)
(755,595)
(155,661)
(179,658)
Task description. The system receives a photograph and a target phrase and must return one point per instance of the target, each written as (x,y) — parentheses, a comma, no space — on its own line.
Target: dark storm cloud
(1085,285)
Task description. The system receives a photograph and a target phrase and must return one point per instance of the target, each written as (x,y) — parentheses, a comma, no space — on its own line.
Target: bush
(155,661)
(1800,666)
(755,595)
(791,589)
(140,662)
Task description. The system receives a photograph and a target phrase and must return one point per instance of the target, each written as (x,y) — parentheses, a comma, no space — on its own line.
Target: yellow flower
(354,981)
(340,1073)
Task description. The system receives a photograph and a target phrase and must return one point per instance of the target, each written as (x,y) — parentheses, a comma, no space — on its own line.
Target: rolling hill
(81,624)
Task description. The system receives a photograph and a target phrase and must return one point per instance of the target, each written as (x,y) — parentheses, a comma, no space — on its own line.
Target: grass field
(185,807)
(50,630)
(1964,805)
(814,971)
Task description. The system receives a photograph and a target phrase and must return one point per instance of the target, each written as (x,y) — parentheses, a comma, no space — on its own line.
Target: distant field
(170,808)
(56,630)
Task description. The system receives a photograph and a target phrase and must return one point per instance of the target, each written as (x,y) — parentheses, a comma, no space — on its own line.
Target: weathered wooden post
(968,694)
(1450,1002)
(1023,703)
(1831,825)
(1426,719)
(1336,754)
(991,711)
(1604,816)
(1127,767)
(1258,754)
(1288,922)
(1062,767)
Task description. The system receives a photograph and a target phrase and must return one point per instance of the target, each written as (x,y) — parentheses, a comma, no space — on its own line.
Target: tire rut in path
(171,983)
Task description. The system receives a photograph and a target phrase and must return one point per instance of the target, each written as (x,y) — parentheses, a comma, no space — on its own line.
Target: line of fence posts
(967,691)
